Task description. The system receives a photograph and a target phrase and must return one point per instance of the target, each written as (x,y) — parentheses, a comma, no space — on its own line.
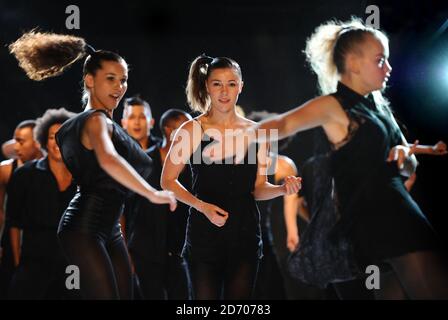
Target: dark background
(160,38)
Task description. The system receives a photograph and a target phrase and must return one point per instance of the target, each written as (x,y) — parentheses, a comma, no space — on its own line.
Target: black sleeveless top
(98,203)
(377,211)
(362,213)
(230,187)
(83,164)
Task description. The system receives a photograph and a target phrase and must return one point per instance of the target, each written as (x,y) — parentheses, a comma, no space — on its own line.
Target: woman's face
(374,68)
(224,86)
(53,150)
(108,85)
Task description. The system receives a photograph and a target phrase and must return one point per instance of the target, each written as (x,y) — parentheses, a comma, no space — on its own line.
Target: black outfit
(363,215)
(35,205)
(270,283)
(156,237)
(7,260)
(89,230)
(223,257)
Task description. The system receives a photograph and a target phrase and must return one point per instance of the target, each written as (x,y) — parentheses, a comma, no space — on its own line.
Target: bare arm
(2,203)
(187,138)
(16,242)
(117,167)
(5,173)
(439,149)
(314,113)
(2,211)
(263,189)
(286,167)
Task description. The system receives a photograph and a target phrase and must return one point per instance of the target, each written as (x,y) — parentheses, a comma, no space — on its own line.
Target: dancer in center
(223,242)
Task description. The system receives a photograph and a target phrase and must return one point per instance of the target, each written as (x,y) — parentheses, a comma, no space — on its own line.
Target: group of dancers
(192,200)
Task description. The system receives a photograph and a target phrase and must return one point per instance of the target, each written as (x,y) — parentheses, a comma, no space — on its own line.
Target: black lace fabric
(322,256)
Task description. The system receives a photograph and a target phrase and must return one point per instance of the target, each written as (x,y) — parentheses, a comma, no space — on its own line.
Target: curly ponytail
(43,55)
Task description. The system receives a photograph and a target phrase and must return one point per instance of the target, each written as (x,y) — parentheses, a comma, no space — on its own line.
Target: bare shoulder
(95,120)
(6,163)
(245,123)
(286,165)
(327,102)
(190,125)
(5,170)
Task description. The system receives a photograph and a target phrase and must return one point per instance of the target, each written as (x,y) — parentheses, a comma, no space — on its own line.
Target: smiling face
(53,150)
(374,68)
(108,85)
(224,86)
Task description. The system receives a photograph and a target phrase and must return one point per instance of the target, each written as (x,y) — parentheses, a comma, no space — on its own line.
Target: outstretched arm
(439,149)
(314,113)
(116,166)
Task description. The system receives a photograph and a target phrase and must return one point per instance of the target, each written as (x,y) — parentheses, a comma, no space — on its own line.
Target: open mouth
(115,96)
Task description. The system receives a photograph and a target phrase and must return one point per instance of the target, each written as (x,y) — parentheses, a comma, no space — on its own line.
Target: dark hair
(49,118)
(43,55)
(170,115)
(26,124)
(200,70)
(93,63)
(136,101)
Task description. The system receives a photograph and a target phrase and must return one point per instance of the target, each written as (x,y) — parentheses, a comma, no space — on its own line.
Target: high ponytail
(44,55)
(329,45)
(319,55)
(327,48)
(200,70)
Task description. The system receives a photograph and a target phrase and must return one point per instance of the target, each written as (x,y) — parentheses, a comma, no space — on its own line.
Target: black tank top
(230,187)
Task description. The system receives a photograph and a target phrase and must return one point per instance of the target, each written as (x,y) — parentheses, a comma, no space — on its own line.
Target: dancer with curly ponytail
(103,160)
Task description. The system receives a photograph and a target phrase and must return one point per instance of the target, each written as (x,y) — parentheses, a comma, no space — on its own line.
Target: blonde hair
(328,46)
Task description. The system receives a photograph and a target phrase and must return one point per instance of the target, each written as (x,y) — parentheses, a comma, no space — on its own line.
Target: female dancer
(102,158)
(223,241)
(367,156)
